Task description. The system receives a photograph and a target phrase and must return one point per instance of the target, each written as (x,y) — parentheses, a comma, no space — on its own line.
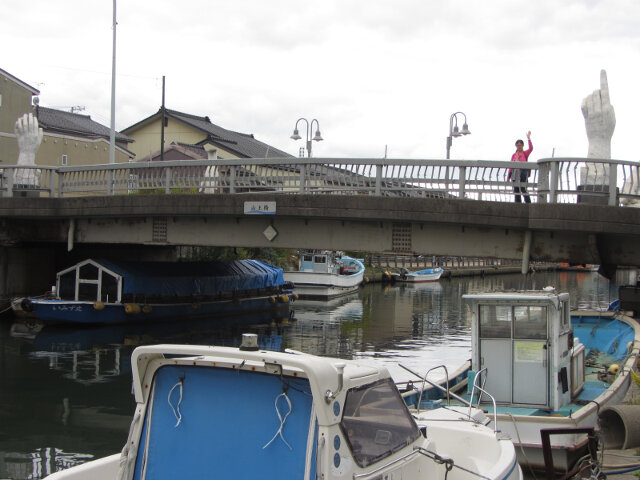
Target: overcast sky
(374,74)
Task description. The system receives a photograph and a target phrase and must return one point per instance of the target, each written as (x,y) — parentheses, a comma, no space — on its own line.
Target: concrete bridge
(430,207)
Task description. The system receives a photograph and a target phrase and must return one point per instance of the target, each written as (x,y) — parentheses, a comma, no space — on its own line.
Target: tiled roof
(73,124)
(241,144)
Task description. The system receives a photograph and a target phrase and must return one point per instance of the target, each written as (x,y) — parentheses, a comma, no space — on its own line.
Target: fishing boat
(246,413)
(325,275)
(102,292)
(536,366)
(419,276)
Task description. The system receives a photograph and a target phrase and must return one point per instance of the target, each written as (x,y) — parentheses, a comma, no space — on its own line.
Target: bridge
(580,210)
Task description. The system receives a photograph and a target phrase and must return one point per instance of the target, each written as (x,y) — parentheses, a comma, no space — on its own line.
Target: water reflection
(65,393)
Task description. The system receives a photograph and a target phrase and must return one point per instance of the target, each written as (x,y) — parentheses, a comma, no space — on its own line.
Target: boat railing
(482,391)
(424,378)
(424,381)
(478,375)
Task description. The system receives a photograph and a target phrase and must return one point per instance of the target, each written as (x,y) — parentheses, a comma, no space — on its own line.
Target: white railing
(553,180)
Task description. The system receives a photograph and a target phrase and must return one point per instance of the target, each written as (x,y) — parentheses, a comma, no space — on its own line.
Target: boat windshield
(376,422)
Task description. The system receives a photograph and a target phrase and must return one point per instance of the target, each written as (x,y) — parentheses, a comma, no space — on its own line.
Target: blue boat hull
(93,313)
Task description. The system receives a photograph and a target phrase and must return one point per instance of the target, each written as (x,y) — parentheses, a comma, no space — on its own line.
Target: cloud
(374,75)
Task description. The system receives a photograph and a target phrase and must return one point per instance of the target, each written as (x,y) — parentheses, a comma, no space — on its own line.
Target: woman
(517,175)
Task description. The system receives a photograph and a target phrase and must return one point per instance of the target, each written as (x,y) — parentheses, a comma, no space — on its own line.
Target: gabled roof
(241,144)
(188,151)
(63,122)
(34,91)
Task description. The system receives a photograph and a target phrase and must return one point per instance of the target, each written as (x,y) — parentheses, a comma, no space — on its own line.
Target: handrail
(495,408)
(552,180)
(484,382)
(446,376)
(440,387)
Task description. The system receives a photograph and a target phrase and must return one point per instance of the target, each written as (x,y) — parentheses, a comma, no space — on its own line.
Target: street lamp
(454,131)
(317,137)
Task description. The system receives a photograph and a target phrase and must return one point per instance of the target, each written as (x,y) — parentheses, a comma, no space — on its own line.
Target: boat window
(88,292)
(376,422)
(530,322)
(495,321)
(564,314)
(89,272)
(67,286)
(109,291)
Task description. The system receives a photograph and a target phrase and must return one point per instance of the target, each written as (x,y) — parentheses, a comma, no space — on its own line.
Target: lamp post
(454,131)
(317,137)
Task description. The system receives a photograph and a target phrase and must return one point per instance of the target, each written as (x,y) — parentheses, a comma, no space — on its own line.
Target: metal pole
(162,120)
(112,133)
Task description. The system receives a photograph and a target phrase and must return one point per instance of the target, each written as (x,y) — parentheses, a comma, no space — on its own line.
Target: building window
(64,160)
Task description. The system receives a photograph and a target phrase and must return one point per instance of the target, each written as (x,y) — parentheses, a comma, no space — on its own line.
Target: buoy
(195,306)
(146,309)
(272,299)
(614,368)
(283,298)
(98,306)
(295,296)
(132,308)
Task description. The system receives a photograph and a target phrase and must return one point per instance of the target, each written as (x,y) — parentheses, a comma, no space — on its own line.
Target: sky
(381,78)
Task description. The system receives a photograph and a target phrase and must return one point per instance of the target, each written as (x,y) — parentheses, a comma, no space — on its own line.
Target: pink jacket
(522,157)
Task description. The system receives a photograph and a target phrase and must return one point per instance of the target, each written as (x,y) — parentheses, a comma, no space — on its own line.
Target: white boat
(545,368)
(419,276)
(244,413)
(325,275)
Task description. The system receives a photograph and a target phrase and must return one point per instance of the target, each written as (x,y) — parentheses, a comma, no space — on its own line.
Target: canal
(65,393)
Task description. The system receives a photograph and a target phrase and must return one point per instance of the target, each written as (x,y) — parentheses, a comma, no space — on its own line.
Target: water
(65,393)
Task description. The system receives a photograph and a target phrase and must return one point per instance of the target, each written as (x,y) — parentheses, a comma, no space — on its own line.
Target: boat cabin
(522,347)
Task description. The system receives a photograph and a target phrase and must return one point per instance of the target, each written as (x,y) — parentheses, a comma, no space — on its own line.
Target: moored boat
(325,275)
(537,366)
(419,276)
(246,413)
(108,292)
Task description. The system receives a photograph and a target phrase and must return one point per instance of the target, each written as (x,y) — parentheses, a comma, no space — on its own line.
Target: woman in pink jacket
(518,175)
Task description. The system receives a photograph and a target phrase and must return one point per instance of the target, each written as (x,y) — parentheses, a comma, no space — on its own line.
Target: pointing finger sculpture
(29,136)
(600,122)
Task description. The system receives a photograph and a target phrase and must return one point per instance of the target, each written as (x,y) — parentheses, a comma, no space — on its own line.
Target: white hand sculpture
(29,137)
(600,122)
(599,119)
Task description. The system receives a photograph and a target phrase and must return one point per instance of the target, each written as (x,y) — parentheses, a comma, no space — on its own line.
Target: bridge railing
(553,180)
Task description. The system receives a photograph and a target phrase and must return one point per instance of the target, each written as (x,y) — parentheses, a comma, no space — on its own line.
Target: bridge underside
(577,234)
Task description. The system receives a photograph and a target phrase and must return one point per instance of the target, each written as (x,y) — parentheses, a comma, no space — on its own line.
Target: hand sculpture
(29,137)
(600,121)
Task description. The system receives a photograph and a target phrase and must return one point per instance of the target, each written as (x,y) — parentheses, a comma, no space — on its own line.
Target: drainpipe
(526,250)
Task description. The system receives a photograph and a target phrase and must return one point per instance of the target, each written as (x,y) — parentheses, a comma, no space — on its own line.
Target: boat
(419,276)
(325,275)
(537,366)
(246,413)
(103,292)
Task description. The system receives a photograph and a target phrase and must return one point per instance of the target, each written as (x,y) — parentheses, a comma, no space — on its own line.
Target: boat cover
(194,278)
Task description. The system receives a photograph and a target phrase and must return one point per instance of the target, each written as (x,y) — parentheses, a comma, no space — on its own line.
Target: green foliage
(275,256)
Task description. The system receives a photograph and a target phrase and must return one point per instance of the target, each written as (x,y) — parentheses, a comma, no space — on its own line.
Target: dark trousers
(519,188)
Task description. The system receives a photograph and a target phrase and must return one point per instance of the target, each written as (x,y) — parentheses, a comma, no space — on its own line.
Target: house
(74,139)
(69,138)
(15,100)
(199,133)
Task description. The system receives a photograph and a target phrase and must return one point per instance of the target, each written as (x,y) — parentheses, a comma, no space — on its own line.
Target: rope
(176,411)
(447,462)
(513,419)
(282,420)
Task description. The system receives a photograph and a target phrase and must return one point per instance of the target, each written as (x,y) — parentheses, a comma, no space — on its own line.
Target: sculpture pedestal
(595,194)
(25,191)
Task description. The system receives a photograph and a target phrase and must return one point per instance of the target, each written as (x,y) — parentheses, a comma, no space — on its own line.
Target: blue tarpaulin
(193,278)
